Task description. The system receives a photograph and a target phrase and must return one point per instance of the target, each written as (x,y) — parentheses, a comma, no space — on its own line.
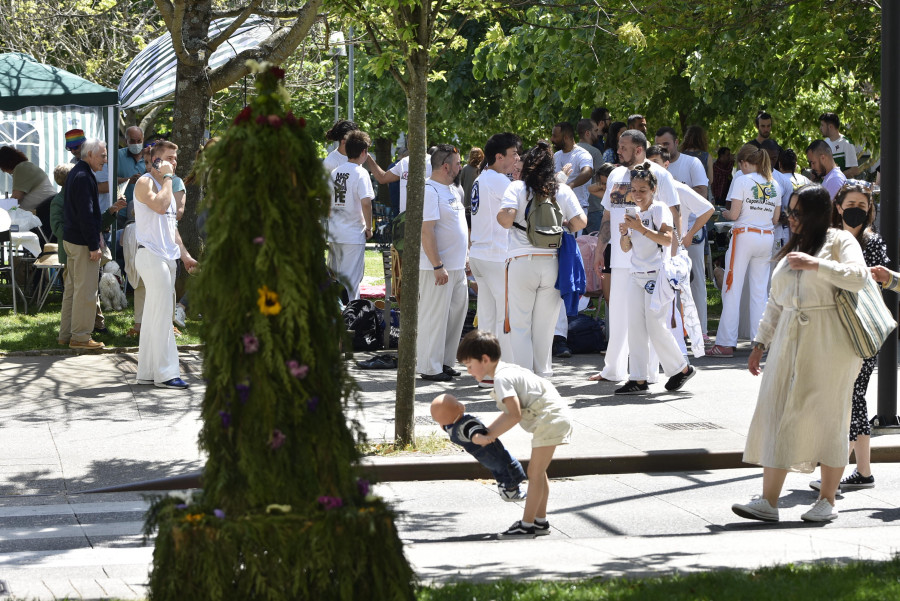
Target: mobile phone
(631,212)
(157,162)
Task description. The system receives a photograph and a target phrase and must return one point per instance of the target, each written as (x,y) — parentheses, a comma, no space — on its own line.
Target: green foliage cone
(283,514)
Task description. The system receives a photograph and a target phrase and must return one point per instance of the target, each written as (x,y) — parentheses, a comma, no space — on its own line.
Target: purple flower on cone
(259,240)
(226,419)
(243,390)
(330,502)
(251,343)
(312,403)
(181,506)
(219,514)
(297,370)
(277,439)
(362,486)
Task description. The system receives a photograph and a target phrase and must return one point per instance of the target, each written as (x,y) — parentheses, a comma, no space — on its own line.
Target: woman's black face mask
(855,216)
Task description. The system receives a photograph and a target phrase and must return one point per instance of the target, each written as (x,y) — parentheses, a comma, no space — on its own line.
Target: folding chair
(50,269)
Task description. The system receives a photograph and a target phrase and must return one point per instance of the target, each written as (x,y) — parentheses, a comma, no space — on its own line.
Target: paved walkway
(70,423)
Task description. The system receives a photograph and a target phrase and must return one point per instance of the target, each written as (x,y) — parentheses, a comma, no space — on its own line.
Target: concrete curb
(112,350)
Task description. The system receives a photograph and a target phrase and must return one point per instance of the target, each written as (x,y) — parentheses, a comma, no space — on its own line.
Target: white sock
(540,520)
(527,524)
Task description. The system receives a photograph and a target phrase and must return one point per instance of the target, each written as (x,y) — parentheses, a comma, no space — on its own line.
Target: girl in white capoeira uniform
(755,209)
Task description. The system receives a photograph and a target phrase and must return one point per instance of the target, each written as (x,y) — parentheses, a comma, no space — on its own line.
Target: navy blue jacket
(81,212)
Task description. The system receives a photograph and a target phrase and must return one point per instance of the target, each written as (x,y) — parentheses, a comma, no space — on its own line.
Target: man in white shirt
(569,153)
(443,293)
(350,220)
(695,212)
(489,239)
(684,168)
(632,151)
(842,150)
(399,172)
(821,163)
(587,139)
(338,133)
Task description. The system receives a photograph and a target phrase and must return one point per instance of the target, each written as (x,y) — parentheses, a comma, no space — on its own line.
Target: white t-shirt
(489,240)
(516,197)
(692,205)
(444,206)
(618,197)
(102,177)
(544,412)
(334,160)
(798,180)
(647,255)
(786,186)
(156,232)
(350,184)
(844,152)
(689,170)
(758,200)
(579,159)
(401,169)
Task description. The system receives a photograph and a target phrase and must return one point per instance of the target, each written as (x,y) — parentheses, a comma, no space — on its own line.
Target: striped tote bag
(865,317)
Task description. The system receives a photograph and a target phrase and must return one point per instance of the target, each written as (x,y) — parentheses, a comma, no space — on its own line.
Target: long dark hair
(814,206)
(612,138)
(837,221)
(538,171)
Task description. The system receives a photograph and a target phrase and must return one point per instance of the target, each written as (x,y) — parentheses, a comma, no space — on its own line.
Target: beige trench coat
(803,411)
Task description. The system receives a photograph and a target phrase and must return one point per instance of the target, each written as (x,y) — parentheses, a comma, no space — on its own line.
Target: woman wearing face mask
(854,212)
(802,413)
(648,233)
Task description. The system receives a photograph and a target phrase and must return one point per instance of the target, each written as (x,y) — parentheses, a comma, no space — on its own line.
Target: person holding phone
(159,246)
(647,233)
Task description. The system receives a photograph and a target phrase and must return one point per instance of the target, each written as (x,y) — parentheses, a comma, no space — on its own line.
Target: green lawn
(863,581)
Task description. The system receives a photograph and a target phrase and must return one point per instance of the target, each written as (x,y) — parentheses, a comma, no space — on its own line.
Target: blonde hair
(61,172)
(757,157)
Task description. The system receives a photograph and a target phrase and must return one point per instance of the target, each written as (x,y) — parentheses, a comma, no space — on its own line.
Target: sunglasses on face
(793,213)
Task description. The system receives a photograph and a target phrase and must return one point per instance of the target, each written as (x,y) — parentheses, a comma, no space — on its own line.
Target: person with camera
(159,246)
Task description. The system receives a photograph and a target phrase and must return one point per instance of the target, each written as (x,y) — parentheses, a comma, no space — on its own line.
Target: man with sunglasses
(443,291)
(616,200)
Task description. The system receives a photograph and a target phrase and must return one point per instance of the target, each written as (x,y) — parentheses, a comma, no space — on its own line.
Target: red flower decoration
(275,121)
(244,115)
(290,118)
(302,122)
(277,72)
(262,120)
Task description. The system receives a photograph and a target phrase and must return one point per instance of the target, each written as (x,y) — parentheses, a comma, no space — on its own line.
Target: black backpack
(586,335)
(363,319)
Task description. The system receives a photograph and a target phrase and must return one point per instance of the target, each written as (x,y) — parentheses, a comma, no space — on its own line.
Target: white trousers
(752,261)
(646,328)
(534,305)
(442,313)
(562,323)
(348,262)
(698,284)
(491,279)
(157,353)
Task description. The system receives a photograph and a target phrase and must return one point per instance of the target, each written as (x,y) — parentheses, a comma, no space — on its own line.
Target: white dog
(111,295)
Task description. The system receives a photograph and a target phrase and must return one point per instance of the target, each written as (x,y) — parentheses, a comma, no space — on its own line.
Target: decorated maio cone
(283,513)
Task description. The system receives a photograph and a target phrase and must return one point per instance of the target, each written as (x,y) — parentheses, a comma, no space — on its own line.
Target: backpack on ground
(586,335)
(544,222)
(362,318)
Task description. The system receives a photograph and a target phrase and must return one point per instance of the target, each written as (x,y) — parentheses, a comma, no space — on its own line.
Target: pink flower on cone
(251,343)
(277,439)
(330,502)
(297,370)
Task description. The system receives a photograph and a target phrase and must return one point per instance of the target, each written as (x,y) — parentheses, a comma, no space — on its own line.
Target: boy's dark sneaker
(679,379)
(541,529)
(633,387)
(517,530)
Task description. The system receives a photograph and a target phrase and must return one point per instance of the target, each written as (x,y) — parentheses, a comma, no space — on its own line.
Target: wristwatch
(759,345)
(168,176)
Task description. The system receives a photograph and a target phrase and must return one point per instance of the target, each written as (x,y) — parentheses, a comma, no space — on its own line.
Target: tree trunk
(189,117)
(416,98)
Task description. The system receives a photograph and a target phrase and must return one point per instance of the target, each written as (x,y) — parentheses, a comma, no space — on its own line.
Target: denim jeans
(506,469)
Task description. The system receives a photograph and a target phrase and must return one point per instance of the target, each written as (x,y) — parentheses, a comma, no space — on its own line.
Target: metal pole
(350,75)
(337,92)
(890,193)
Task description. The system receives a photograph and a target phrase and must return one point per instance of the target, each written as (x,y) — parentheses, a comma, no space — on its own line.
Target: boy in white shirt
(350,221)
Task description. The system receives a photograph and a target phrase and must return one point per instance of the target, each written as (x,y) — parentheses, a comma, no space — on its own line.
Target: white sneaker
(757,509)
(822,511)
(179,316)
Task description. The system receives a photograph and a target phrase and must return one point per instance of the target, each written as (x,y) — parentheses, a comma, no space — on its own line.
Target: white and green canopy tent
(40,103)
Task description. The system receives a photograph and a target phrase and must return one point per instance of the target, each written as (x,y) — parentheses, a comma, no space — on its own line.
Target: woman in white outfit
(802,414)
(755,210)
(648,234)
(532,300)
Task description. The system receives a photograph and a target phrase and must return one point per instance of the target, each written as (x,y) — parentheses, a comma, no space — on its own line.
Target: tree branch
(175,30)
(228,31)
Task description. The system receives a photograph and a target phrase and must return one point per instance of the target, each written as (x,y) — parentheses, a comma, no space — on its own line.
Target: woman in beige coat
(803,411)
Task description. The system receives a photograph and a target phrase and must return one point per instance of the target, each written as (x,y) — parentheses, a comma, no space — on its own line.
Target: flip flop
(719,351)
